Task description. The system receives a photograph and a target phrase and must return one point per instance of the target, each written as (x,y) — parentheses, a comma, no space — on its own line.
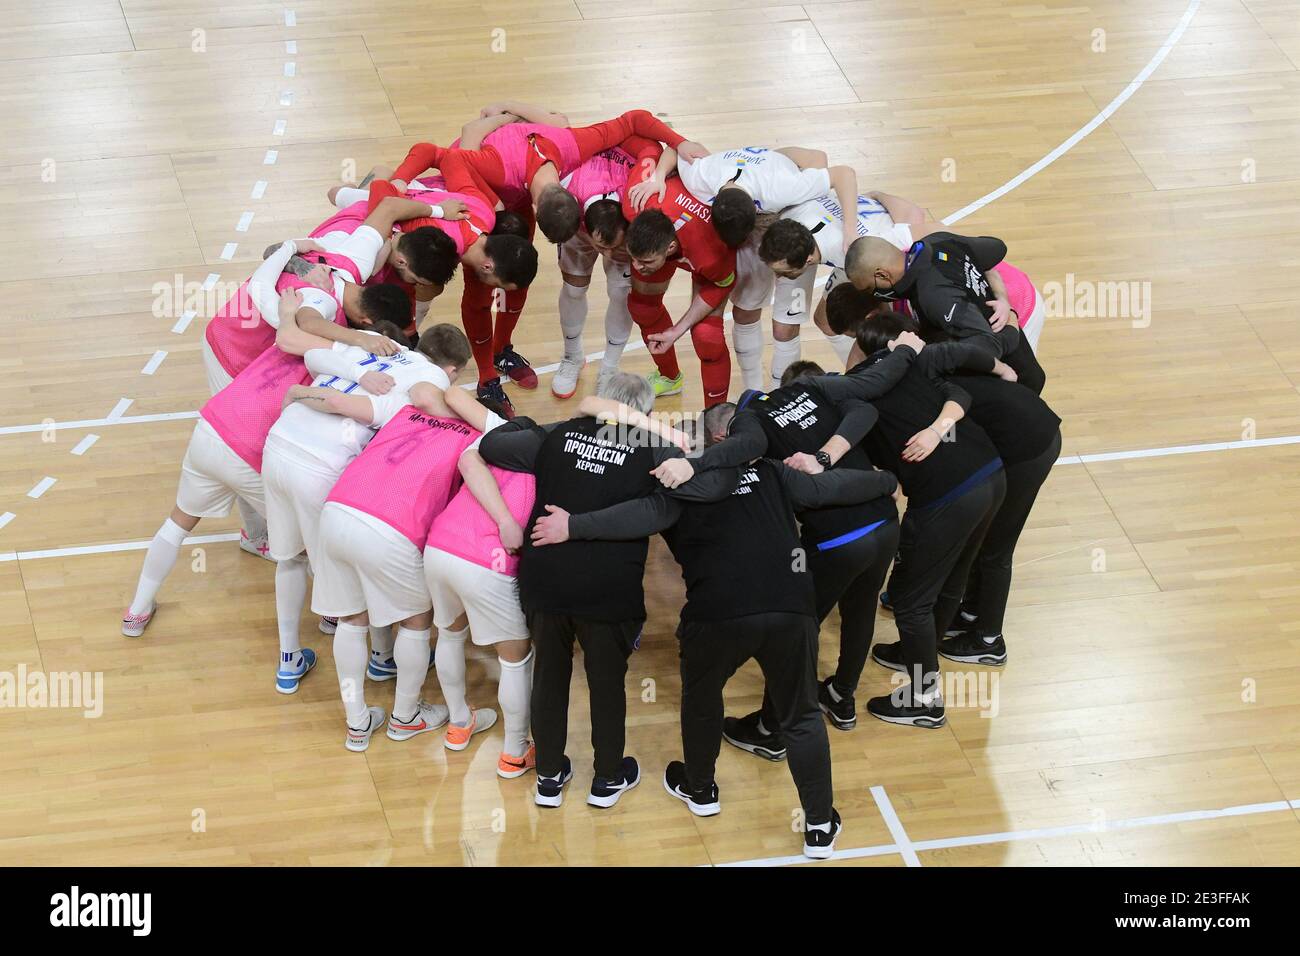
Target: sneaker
(843,714)
(889,655)
(605,791)
(665,386)
(510,363)
(328,625)
(457,738)
(494,397)
(359,740)
(381,669)
(427,717)
(133,625)
(288,676)
(969,648)
(255,546)
(818,844)
(743,732)
(907,712)
(885,603)
(510,766)
(550,790)
(702,803)
(565,381)
(605,372)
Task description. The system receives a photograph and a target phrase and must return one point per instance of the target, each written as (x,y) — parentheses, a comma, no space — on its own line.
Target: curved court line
(1107,111)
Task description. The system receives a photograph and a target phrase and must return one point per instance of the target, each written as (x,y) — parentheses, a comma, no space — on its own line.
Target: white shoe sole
(605,803)
(925,723)
(556,800)
(699,809)
(355,742)
(555,381)
(901,668)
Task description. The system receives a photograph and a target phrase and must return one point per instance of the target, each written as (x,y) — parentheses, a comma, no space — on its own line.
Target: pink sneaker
(133,625)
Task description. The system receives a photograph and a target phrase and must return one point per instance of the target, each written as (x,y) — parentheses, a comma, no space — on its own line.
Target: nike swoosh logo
(948,317)
(797,312)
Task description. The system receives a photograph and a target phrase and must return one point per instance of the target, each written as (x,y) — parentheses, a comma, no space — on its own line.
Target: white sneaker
(358,740)
(565,382)
(605,372)
(427,717)
(255,546)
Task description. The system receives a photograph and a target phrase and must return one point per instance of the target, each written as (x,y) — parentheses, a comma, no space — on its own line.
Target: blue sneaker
(288,677)
(381,668)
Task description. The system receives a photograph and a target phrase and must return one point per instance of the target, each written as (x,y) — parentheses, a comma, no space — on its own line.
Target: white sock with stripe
(159,560)
(290,593)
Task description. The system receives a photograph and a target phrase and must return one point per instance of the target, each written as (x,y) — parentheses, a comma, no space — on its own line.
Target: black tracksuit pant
(937,546)
(606,646)
(785,646)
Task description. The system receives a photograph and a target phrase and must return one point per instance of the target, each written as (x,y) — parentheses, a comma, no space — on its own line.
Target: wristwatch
(823,459)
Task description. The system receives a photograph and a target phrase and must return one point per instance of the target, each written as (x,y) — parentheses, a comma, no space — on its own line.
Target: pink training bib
(511,144)
(466,530)
(606,172)
(243,412)
(237,333)
(1020,291)
(408,472)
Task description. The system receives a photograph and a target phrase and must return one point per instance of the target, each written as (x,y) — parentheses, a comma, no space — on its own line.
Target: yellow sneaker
(665,386)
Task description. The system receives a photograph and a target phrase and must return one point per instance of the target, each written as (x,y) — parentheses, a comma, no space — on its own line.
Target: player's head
(605,225)
(384,302)
(425,256)
(788,247)
(511,224)
(801,369)
(558,213)
(634,391)
(716,422)
(445,345)
(872,263)
(734,215)
(509,263)
(879,330)
(846,307)
(388,330)
(651,239)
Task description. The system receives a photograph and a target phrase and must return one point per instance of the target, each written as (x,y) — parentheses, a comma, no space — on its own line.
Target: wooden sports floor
(1150,712)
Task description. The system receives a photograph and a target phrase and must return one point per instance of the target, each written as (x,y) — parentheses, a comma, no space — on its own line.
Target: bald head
(872,263)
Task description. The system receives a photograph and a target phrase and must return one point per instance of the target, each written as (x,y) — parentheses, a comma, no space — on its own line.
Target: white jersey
(327,443)
(361,246)
(771,178)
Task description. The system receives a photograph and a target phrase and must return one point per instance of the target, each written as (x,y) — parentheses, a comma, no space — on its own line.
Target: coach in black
(590,591)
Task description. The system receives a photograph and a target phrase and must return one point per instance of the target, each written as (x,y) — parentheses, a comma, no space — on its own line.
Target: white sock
(618,328)
(347,195)
(842,344)
(381,641)
(573,316)
(254,523)
(350,662)
(290,593)
(158,563)
(411,652)
(514,693)
(784,354)
(747,342)
(449,658)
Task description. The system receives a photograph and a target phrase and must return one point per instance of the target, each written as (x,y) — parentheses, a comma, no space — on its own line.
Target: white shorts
(212,476)
(295,495)
(361,246)
(218,377)
(366,565)
(754,280)
(793,300)
(488,598)
(1033,328)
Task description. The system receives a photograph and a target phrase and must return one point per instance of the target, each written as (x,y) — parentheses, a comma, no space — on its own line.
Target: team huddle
(400,503)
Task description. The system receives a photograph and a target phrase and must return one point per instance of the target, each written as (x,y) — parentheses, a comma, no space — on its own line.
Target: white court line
(290,46)
(1092,124)
(183,322)
(245,220)
(99,422)
(118,411)
(270,157)
(5,518)
(42,486)
(1040,833)
(259,189)
(210,281)
(290,18)
(106,548)
(290,68)
(83,446)
(151,366)
(228,251)
(279,128)
(286,98)
(895,826)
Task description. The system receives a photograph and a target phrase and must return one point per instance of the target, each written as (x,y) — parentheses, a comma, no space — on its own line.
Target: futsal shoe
(457,738)
(819,842)
(255,546)
(133,625)
(702,803)
(605,792)
(665,386)
(359,740)
(744,732)
(509,766)
(427,717)
(889,655)
(908,712)
(492,395)
(969,648)
(550,790)
(328,625)
(510,363)
(381,669)
(289,675)
(565,381)
(842,713)
(885,602)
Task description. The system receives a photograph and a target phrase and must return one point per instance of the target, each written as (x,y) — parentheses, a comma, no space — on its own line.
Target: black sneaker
(819,844)
(969,648)
(884,602)
(605,792)
(550,790)
(702,803)
(899,708)
(889,655)
(493,396)
(511,363)
(842,713)
(743,732)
